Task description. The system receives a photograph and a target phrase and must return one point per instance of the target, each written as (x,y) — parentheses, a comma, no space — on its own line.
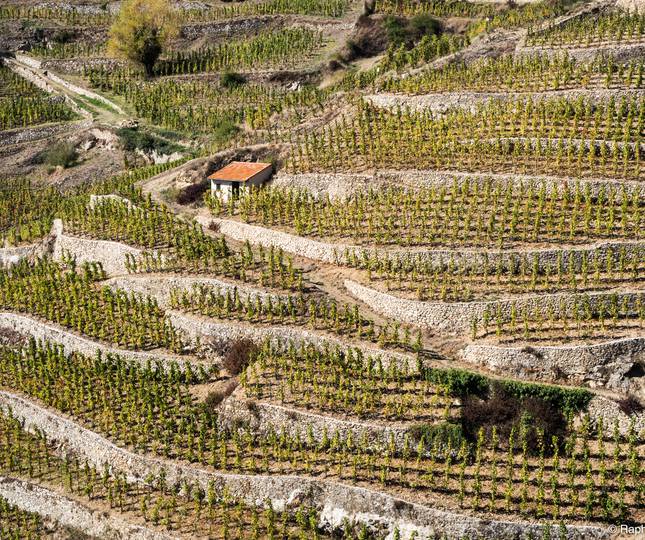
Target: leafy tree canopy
(141,30)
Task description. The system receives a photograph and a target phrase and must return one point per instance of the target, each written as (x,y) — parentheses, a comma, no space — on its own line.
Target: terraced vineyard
(426,324)
(23,104)
(588,31)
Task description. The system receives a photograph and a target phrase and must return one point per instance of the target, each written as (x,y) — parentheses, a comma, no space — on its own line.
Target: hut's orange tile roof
(239,171)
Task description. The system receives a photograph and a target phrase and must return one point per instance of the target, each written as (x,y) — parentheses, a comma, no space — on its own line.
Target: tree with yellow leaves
(141,30)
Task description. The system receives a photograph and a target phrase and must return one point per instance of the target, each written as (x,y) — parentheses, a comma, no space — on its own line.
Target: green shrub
(458,382)
(62,154)
(134,139)
(407,32)
(569,400)
(395,30)
(225,130)
(504,410)
(63,36)
(446,435)
(230,79)
(424,25)
(462,383)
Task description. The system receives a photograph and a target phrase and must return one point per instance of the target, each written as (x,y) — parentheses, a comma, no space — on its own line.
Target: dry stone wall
(37,65)
(457,317)
(43,81)
(222,333)
(76,66)
(160,286)
(72,342)
(633,6)
(33,63)
(32,497)
(84,92)
(25,135)
(620,52)
(613,364)
(610,412)
(311,249)
(13,255)
(228,28)
(97,200)
(610,365)
(111,255)
(264,417)
(544,257)
(337,253)
(40,81)
(441,103)
(379,511)
(336,186)
(339,186)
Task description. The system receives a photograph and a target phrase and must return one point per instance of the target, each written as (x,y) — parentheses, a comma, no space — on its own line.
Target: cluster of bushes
(134,139)
(401,31)
(462,383)
(502,404)
(373,35)
(62,154)
(236,358)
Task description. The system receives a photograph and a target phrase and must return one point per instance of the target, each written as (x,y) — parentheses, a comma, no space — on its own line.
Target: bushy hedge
(134,139)
(565,399)
(446,435)
(461,383)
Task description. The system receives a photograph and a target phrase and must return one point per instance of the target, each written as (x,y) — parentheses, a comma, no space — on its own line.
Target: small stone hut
(238,175)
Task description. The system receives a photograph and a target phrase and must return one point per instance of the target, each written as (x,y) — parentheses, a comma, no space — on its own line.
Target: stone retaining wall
(30,61)
(111,255)
(222,333)
(85,93)
(457,317)
(440,103)
(98,200)
(609,411)
(31,497)
(311,249)
(12,255)
(25,135)
(76,66)
(337,253)
(40,81)
(334,185)
(619,52)
(37,65)
(339,185)
(612,364)
(546,257)
(71,342)
(633,6)
(607,364)
(379,511)
(263,417)
(159,286)
(227,28)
